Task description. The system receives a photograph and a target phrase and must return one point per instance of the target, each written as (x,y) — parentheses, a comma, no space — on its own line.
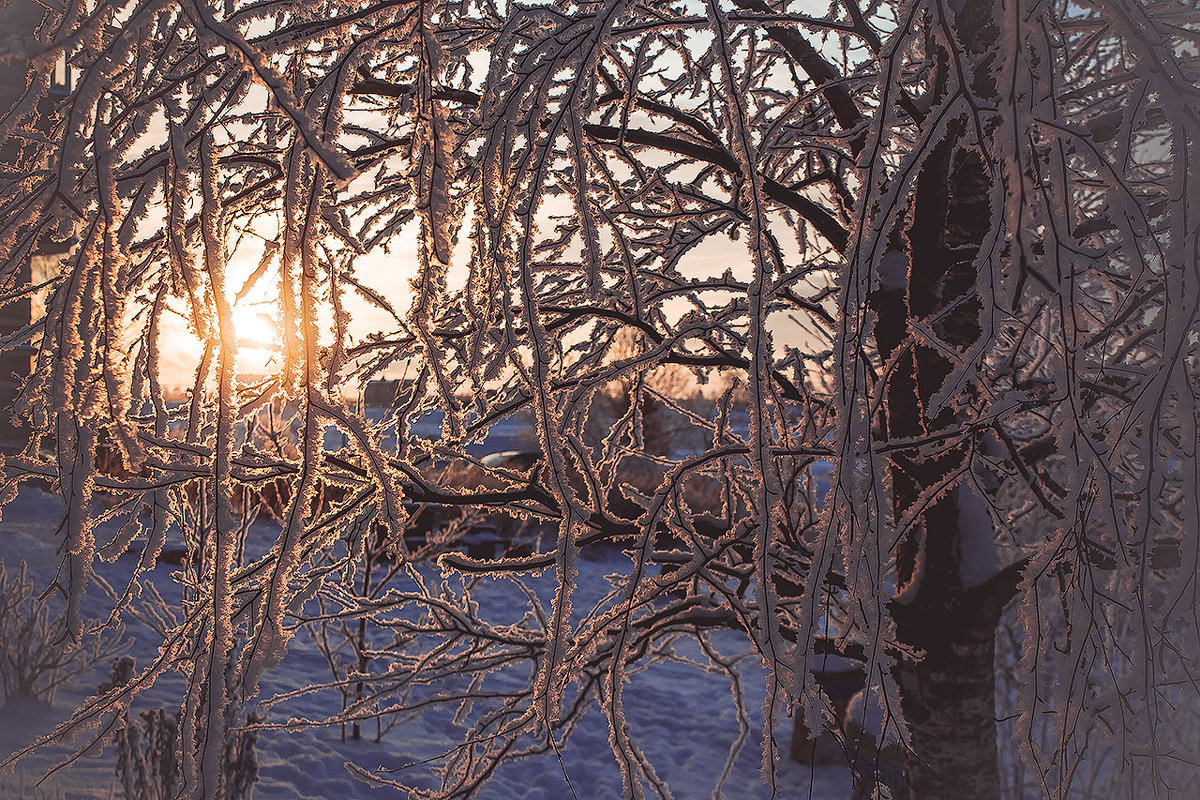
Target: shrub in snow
(37,655)
(149,755)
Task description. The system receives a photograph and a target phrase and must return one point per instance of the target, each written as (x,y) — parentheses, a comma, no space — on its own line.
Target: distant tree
(956,264)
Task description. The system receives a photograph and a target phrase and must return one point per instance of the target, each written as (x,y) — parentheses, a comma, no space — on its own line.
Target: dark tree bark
(948,693)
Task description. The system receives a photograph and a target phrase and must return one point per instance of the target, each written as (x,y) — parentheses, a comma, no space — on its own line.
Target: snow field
(681,716)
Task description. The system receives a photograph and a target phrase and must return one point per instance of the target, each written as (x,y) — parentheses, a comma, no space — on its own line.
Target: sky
(389,275)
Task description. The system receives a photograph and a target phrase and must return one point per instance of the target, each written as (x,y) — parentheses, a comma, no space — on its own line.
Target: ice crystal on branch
(868,333)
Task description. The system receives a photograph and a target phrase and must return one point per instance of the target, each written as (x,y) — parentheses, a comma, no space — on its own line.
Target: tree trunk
(948,696)
(949,701)
(948,693)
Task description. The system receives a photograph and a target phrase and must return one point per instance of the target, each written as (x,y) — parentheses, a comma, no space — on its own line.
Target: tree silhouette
(941,253)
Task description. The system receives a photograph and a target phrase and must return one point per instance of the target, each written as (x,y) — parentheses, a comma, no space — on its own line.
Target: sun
(258,338)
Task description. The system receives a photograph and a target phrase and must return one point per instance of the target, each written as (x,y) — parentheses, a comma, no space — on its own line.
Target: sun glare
(258,339)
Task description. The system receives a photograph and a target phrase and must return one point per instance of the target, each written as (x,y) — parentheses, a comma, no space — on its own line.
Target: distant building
(19,20)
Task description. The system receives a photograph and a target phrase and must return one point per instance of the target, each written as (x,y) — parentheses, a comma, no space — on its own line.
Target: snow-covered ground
(681,716)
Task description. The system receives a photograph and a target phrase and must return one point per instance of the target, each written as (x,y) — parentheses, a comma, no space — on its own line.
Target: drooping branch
(821,220)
